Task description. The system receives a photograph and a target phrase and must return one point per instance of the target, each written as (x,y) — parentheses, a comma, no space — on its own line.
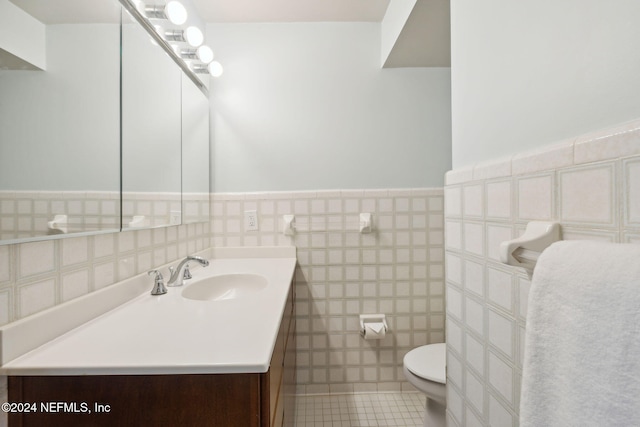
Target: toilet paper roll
(374,331)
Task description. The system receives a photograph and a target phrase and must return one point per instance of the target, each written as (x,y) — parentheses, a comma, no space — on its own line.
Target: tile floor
(360,410)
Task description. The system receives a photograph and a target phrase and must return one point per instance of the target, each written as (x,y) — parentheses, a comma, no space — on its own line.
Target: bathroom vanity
(221,359)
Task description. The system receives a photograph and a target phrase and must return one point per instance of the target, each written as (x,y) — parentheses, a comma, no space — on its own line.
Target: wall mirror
(195,153)
(60,127)
(151,131)
(157,124)
(72,161)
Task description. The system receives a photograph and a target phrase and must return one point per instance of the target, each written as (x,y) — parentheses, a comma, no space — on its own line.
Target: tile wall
(38,275)
(195,207)
(591,185)
(397,270)
(157,209)
(150,209)
(25,214)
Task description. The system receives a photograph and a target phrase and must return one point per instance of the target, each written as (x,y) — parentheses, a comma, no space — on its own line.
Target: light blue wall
(535,72)
(307,106)
(60,128)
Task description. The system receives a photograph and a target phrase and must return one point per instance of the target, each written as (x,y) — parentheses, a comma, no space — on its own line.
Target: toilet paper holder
(372,318)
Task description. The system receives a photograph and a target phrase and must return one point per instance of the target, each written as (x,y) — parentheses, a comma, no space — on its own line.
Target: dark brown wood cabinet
(220,400)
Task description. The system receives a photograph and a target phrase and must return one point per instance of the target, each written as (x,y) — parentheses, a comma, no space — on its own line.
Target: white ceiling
(71,11)
(75,11)
(291,10)
(423,42)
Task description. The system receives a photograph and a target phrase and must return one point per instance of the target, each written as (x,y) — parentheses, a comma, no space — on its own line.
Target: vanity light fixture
(199,68)
(174,35)
(174,11)
(192,35)
(203,54)
(214,68)
(171,39)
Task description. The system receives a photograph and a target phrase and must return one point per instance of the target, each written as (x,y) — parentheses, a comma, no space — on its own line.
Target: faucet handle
(158,284)
(187,274)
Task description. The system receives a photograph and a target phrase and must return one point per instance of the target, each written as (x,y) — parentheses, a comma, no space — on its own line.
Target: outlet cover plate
(250,221)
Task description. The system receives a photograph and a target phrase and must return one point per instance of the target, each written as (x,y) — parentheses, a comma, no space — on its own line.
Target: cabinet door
(229,400)
(289,378)
(282,368)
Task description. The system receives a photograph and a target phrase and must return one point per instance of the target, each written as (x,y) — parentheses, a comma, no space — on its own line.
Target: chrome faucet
(177,274)
(158,283)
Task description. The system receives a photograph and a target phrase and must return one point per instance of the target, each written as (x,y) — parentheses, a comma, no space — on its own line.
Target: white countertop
(169,334)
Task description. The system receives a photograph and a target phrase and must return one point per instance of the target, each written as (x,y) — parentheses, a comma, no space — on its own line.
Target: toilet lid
(428,362)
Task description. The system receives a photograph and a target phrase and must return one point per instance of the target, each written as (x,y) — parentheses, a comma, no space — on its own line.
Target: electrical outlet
(250,220)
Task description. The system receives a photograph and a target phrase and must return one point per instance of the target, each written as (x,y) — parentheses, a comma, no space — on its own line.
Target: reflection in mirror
(151,132)
(59,119)
(195,153)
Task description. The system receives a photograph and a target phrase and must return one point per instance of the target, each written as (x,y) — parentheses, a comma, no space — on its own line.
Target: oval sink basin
(226,286)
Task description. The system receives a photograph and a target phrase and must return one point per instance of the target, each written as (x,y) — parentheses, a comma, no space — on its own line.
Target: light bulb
(176,12)
(215,69)
(205,54)
(193,36)
(139,4)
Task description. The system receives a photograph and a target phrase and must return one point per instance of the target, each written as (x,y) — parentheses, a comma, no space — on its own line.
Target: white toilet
(425,368)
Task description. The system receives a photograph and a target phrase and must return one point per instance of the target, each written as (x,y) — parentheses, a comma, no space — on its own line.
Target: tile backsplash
(158,209)
(398,270)
(38,275)
(25,214)
(591,185)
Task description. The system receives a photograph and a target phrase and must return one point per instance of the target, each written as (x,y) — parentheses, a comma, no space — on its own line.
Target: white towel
(582,347)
